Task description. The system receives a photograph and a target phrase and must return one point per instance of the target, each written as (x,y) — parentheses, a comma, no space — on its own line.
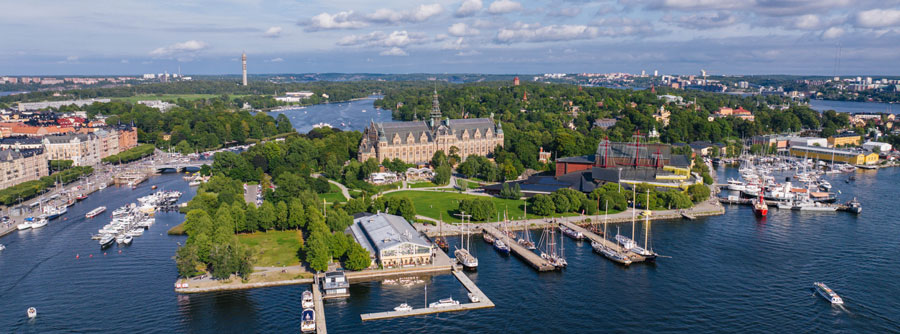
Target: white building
(808,141)
(871,145)
(158,104)
(391,240)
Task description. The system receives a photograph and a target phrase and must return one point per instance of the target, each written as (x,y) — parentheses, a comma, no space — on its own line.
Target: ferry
(307,299)
(447,302)
(308,325)
(826,292)
(95,212)
(610,253)
(501,247)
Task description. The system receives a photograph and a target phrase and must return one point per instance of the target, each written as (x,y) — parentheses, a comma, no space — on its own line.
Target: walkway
(344,190)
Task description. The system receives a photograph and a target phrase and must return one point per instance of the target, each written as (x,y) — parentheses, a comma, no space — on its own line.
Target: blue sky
(473,36)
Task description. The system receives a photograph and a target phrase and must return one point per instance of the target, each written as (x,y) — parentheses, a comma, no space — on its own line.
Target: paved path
(344,190)
(250,193)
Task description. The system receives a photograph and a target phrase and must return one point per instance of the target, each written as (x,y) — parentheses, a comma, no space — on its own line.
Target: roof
(827,150)
(382,231)
(846,134)
(10,155)
(388,130)
(679,161)
(62,139)
(584,159)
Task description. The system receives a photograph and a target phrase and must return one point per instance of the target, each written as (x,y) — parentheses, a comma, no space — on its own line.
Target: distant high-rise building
(516,81)
(655,73)
(703,73)
(643,73)
(244,66)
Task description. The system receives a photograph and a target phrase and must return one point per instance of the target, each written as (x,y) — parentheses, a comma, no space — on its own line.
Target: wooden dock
(320,309)
(611,244)
(536,261)
(484,302)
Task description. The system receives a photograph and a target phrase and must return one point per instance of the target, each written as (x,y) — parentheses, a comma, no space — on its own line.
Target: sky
(102,37)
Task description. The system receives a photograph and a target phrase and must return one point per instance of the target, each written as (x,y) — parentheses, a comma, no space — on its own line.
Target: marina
(530,257)
(478,301)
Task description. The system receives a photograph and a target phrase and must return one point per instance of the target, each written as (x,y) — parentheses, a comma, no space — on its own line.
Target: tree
(357,257)
(560,202)
(223,229)
(438,159)
(338,220)
(543,205)
(187,261)
(442,174)
(267,216)
(252,223)
(470,167)
(698,192)
(240,217)
(338,244)
(481,209)
(317,253)
(281,216)
(296,214)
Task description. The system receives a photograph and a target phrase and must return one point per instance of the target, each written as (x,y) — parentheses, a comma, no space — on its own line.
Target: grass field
(468,184)
(432,204)
(176,230)
(424,184)
(334,195)
(274,248)
(167,97)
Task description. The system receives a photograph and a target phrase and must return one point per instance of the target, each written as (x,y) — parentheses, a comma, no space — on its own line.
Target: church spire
(435,107)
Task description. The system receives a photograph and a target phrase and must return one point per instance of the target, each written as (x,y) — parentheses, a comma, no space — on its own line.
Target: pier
(611,244)
(483,302)
(536,261)
(320,308)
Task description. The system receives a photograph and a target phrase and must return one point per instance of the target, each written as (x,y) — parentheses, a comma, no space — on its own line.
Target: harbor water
(729,273)
(348,116)
(852,106)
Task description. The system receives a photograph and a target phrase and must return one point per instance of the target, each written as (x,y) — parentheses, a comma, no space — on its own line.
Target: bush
(543,205)
(698,192)
(481,209)
(130,155)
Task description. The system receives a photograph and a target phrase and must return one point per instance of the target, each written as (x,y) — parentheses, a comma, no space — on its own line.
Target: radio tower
(244,66)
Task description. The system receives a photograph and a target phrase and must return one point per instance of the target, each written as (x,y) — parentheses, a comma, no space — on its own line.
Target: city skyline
(470,36)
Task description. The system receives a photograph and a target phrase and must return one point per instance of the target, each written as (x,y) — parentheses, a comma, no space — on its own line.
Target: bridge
(179,166)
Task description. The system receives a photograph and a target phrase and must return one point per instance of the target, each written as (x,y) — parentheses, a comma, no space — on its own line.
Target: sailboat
(525,240)
(549,250)
(499,244)
(606,251)
(630,245)
(462,253)
(440,241)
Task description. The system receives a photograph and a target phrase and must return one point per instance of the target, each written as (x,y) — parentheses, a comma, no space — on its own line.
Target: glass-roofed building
(391,240)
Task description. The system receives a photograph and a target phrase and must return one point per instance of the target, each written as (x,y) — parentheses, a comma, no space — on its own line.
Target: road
(251,191)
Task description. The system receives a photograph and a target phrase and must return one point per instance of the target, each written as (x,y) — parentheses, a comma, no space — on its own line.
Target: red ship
(760,208)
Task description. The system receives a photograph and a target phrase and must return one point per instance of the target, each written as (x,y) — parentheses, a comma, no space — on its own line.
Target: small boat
(501,247)
(32,312)
(153,187)
(403,308)
(474,298)
(571,233)
(854,206)
(2,247)
(308,325)
(127,239)
(40,223)
(442,243)
(95,212)
(120,239)
(106,240)
(194,183)
(446,302)
(528,244)
(306,299)
(102,186)
(826,292)
(81,197)
(760,209)
(488,238)
(23,226)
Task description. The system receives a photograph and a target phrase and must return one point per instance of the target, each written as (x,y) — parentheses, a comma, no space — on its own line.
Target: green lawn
(334,195)
(467,183)
(424,184)
(167,97)
(274,248)
(432,204)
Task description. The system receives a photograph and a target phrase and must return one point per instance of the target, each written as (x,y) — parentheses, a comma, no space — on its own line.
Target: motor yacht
(446,302)
(403,308)
(826,292)
(306,299)
(308,323)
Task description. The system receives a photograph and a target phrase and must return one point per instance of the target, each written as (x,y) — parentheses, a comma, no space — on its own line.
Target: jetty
(483,302)
(611,244)
(536,261)
(320,308)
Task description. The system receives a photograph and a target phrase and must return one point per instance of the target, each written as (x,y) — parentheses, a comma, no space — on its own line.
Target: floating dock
(536,261)
(611,244)
(483,302)
(320,309)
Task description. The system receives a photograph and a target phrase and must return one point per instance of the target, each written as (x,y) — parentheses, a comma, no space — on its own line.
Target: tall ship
(440,241)
(549,250)
(610,253)
(525,240)
(632,246)
(462,254)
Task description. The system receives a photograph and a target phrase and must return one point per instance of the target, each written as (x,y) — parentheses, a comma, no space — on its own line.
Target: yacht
(474,298)
(501,247)
(813,206)
(855,206)
(2,247)
(488,238)
(308,325)
(24,225)
(446,302)
(632,246)
(306,299)
(824,185)
(826,292)
(55,212)
(95,212)
(136,232)
(467,260)
(610,253)
(106,240)
(403,308)
(127,239)
(736,185)
(120,239)
(40,223)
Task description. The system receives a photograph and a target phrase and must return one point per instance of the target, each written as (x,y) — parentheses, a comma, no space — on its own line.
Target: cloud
(504,6)
(275,60)
(566,12)
(341,20)
(457,44)
(537,33)
(468,8)
(461,29)
(808,21)
(702,21)
(380,39)
(183,51)
(833,32)
(468,53)
(762,7)
(878,18)
(124,61)
(273,32)
(419,14)
(69,60)
(395,51)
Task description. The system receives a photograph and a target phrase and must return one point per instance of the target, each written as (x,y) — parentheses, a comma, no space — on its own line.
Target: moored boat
(306,299)
(403,308)
(760,208)
(308,323)
(127,239)
(610,253)
(501,247)
(571,233)
(106,240)
(41,222)
(446,302)
(488,238)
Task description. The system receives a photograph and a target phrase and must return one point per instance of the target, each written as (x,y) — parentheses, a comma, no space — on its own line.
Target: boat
(308,323)
(321,125)
(93,213)
(40,223)
(610,253)
(854,206)
(525,241)
(31,312)
(488,238)
(306,299)
(813,206)
(501,247)
(462,254)
(403,308)
(474,298)
(736,185)
(446,302)
(106,240)
(81,197)
(194,183)
(440,241)
(571,233)
(824,185)
(826,292)
(23,226)
(101,186)
(760,209)
(549,250)
(55,212)
(120,239)
(127,239)
(2,247)
(153,187)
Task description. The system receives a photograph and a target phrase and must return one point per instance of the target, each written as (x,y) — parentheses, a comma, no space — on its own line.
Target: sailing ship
(525,240)
(440,241)
(632,246)
(610,253)
(548,248)
(462,253)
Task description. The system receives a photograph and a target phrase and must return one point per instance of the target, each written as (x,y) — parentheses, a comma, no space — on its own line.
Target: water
(11,93)
(727,273)
(355,115)
(852,106)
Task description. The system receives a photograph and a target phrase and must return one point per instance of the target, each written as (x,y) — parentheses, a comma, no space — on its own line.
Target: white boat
(308,323)
(120,239)
(306,299)
(735,185)
(194,183)
(40,223)
(106,240)
(403,308)
(826,292)
(32,312)
(474,298)
(127,239)
(136,232)
(462,254)
(95,212)
(610,253)
(813,206)
(102,186)
(2,247)
(23,226)
(446,302)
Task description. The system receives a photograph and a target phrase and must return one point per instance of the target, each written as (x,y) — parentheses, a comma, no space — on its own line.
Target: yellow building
(845,139)
(827,154)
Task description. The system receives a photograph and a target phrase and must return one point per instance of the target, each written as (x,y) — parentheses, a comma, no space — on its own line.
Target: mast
(634,208)
(647,223)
